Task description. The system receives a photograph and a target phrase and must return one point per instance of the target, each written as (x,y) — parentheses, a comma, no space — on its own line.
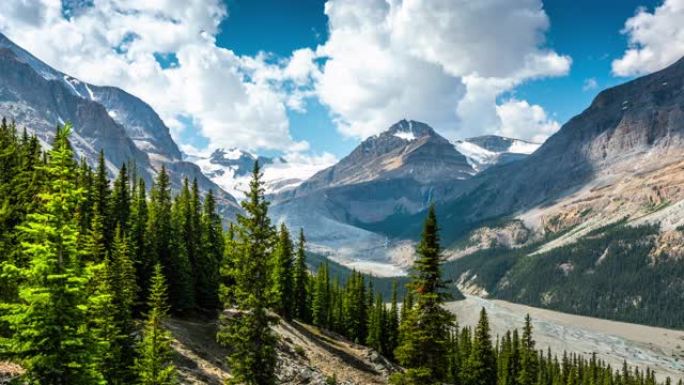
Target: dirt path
(660,349)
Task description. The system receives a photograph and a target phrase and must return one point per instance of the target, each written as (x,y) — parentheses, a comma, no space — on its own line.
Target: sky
(310,79)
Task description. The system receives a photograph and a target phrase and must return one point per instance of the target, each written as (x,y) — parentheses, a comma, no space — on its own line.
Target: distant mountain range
(39,98)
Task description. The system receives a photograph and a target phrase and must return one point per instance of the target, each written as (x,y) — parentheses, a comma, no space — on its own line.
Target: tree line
(91,268)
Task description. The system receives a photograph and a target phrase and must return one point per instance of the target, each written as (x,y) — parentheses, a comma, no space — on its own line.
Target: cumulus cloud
(436,61)
(656,39)
(523,120)
(114,42)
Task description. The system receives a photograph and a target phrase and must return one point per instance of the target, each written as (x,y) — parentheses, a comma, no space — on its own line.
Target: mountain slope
(398,171)
(601,204)
(39,98)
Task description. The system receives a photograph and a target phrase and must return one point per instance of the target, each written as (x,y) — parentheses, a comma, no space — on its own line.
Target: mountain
(397,172)
(232,169)
(590,223)
(485,151)
(39,98)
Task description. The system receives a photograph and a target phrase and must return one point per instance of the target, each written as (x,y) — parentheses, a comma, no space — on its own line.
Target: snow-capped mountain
(231,169)
(38,98)
(399,171)
(485,151)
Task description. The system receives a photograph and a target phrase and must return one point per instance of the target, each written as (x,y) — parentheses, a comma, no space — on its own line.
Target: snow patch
(92,96)
(68,81)
(405,135)
(522,147)
(476,156)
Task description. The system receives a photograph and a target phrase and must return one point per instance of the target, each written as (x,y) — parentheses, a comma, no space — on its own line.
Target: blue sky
(310,79)
(588,31)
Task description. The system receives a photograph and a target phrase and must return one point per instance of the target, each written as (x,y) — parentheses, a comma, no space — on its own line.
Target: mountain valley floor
(658,348)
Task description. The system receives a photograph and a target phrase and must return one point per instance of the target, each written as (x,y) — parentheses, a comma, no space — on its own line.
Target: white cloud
(656,39)
(589,84)
(522,120)
(437,61)
(113,42)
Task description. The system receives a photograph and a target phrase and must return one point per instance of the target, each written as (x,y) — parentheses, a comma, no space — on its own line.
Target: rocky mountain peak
(409,130)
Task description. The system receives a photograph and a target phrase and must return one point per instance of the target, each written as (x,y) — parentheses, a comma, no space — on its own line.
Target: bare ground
(307,355)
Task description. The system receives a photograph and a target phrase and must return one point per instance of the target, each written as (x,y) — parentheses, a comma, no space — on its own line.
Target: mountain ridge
(38,97)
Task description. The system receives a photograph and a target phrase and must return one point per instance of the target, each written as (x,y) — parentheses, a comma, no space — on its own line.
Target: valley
(615,342)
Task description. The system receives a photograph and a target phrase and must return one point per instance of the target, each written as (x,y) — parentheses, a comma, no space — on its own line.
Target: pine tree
(321,297)
(246,327)
(374,339)
(101,201)
(283,287)
(121,201)
(301,278)
(184,248)
(424,345)
(154,365)
(208,269)
(48,322)
(163,238)
(480,367)
(123,289)
(528,356)
(392,324)
(137,239)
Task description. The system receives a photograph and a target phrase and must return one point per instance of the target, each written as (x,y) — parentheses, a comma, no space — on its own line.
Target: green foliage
(207,270)
(480,365)
(154,365)
(300,281)
(425,329)
(48,321)
(246,330)
(283,277)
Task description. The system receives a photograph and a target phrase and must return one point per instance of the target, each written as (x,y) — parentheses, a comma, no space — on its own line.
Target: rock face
(398,171)
(39,98)
(408,150)
(595,161)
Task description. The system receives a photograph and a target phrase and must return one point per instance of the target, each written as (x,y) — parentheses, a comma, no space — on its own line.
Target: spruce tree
(528,356)
(123,289)
(184,248)
(121,201)
(283,287)
(480,367)
(50,336)
(163,237)
(154,365)
(137,240)
(209,265)
(101,201)
(245,325)
(321,297)
(301,278)
(424,345)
